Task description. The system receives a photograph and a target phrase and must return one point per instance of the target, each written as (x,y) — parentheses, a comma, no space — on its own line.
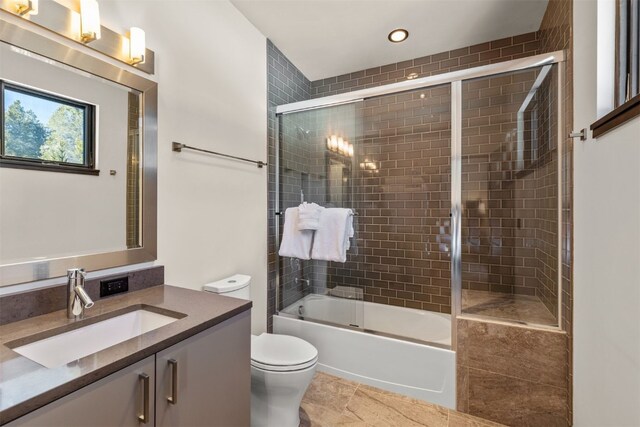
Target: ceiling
(325,38)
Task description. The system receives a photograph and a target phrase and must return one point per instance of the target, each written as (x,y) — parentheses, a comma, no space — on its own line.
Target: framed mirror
(78,160)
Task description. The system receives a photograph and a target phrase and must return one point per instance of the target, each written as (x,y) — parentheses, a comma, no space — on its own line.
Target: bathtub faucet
(305,282)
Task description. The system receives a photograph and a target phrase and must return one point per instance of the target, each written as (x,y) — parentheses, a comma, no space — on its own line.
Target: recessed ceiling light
(398,35)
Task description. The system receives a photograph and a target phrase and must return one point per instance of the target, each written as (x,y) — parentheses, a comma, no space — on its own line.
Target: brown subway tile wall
(468,57)
(133,172)
(285,84)
(403,228)
(556,34)
(509,222)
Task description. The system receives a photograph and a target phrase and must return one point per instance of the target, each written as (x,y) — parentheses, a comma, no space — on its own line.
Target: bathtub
(397,349)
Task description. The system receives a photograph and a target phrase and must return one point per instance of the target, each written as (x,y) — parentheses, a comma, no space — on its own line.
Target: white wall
(211,74)
(606,322)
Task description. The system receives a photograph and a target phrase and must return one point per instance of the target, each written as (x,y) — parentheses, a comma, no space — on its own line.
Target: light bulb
(137,45)
(90,20)
(334,142)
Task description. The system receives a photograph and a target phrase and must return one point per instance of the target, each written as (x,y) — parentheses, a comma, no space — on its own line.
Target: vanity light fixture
(137,45)
(89,20)
(26,7)
(398,35)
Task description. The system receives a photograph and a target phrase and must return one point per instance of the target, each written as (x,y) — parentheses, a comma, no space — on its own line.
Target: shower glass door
(317,164)
(510,193)
(394,171)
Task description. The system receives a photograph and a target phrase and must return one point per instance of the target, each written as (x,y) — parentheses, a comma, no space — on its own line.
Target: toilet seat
(281,353)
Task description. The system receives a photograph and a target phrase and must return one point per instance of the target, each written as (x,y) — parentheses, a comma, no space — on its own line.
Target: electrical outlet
(114,286)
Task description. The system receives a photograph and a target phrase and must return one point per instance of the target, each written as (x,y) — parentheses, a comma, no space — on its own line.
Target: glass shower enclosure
(455,184)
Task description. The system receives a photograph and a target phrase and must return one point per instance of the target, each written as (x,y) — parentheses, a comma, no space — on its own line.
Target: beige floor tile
(330,392)
(312,415)
(376,408)
(334,402)
(457,419)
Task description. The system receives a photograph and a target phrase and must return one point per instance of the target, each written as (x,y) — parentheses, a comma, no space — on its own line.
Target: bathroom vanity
(193,370)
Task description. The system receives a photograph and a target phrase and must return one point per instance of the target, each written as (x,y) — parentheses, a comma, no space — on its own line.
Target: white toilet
(282,366)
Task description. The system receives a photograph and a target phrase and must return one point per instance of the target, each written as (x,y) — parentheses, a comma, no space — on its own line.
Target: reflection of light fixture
(89,20)
(24,7)
(398,35)
(412,76)
(369,166)
(337,144)
(137,45)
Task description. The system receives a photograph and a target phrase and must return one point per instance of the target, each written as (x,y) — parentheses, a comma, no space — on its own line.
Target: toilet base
(276,396)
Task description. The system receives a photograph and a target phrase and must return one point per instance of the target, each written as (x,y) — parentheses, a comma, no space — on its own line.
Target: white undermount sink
(68,346)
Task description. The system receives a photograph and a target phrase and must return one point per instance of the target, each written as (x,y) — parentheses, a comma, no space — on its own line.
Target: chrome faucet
(77,297)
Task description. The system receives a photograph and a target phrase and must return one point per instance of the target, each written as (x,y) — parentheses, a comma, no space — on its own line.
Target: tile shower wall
(402,192)
(509,223)
(403,240)
(444,62)
(285,84)
(556,33)
(491,356)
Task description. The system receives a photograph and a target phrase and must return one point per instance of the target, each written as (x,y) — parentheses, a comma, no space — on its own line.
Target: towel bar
(178,147)
(278,213)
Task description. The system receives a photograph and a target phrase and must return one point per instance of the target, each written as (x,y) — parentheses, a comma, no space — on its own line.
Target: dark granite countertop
(26,385)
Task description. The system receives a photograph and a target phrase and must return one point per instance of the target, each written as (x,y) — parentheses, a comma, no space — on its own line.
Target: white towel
(309,216)
(332,237)
(295,243)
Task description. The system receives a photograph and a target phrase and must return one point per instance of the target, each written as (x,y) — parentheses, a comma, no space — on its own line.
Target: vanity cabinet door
(206,379)
(116,400)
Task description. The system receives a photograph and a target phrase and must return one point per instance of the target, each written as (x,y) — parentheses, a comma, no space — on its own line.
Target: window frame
(627,69)
(89,126)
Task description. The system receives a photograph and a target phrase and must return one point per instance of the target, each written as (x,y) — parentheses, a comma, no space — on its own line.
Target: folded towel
(309,216)
(332,237)
(295,243)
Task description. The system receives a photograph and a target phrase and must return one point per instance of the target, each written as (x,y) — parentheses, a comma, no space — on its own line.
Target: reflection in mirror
(70,157)
(338,177)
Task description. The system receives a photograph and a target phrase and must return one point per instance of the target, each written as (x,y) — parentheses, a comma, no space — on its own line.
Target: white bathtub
(419,370)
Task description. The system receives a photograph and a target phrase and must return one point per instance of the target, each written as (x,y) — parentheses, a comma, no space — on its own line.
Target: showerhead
(302,132)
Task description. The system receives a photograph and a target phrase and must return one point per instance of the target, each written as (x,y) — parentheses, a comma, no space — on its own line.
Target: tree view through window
(44,128)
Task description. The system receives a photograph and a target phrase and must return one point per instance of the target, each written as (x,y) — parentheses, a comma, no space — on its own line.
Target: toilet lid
(281,352)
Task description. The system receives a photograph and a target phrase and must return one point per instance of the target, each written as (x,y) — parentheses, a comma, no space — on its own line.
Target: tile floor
(521,308)
(331,401)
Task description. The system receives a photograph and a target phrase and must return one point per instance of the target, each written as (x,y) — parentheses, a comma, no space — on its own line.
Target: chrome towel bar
(178,147)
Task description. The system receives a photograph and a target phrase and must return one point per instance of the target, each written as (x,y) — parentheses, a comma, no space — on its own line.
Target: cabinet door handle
(144,418)
(173,399)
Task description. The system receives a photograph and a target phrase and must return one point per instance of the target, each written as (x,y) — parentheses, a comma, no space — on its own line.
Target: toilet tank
(236,286)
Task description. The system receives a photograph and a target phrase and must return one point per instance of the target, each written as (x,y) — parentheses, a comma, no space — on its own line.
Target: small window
(618,64)
(45,131)
(628,53)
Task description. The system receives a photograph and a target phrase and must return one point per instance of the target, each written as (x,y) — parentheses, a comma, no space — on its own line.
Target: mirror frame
(11,274)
